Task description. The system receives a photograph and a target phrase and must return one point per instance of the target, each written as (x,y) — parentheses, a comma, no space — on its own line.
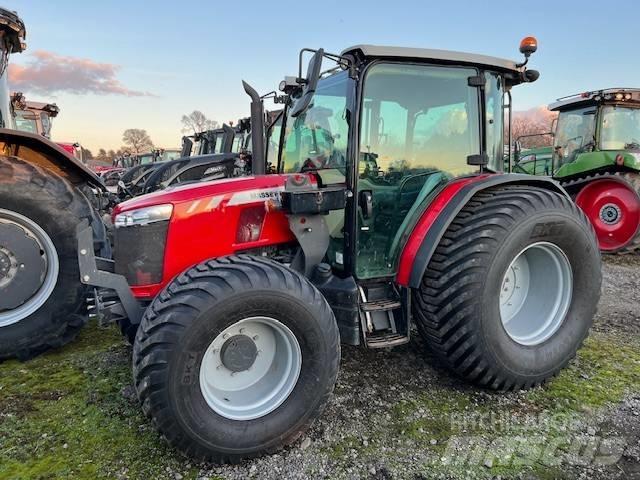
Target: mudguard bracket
(102,278)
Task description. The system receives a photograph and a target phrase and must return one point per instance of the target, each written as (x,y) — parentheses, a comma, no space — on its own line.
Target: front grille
(139,252)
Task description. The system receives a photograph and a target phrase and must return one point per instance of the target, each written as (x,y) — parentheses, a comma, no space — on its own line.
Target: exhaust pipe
(258,165)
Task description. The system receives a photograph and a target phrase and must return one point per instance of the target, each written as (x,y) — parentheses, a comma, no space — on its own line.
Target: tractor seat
(427,189)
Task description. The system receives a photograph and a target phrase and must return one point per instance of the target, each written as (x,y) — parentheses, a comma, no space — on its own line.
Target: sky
(118,64)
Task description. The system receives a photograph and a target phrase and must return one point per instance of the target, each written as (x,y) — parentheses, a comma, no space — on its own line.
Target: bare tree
(530,126)
(197,122)
(102,155)
(137,140)
(111,154)
(86,154)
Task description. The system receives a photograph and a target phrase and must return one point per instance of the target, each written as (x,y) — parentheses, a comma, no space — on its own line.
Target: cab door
(419,123)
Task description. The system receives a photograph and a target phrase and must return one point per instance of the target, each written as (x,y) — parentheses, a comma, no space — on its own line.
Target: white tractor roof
(436,55)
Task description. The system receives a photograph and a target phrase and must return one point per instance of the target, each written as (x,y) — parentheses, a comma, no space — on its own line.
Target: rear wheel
(612,205)
(236,357)
(41,297)
(511,292)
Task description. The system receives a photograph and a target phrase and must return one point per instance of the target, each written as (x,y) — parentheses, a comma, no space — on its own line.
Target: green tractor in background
(596,157)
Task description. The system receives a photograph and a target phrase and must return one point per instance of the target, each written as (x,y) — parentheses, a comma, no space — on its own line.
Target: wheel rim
(536,293)
(250,368)
(29,267)
(613,208)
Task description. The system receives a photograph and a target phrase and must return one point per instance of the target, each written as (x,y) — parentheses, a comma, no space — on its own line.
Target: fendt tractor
(596,157)
(388,210)
(44,194)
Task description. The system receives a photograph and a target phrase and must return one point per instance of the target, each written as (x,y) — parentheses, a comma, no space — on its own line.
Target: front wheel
(236,357)
(512,289)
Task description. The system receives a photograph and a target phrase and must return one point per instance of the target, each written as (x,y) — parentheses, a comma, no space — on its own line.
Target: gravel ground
(72,413)
(396,415)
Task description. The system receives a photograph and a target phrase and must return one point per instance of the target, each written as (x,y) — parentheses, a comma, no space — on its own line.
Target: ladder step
(389,340)
(378,305)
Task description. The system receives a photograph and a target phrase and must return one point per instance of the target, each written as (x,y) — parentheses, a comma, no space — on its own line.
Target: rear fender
(38,150)
(437,217)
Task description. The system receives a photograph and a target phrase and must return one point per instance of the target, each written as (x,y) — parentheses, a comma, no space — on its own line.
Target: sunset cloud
(49,73)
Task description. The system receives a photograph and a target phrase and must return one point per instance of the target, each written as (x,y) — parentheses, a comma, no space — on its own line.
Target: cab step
(380,305)
(388,340)
(383,315)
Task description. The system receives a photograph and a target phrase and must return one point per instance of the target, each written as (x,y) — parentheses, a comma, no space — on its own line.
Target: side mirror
(531,75)
(310,84)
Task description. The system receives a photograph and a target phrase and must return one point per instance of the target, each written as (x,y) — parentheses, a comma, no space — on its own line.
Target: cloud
(49,72)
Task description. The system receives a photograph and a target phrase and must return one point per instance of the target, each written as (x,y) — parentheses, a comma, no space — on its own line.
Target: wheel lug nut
(255,337)
(219,367)
(225,336)
(242,330)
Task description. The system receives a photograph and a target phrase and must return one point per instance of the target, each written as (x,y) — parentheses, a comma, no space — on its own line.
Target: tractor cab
(393,126)
(34,117)
(596,130)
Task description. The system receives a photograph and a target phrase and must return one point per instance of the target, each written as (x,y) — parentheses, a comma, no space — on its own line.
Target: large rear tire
(512,289)
(41,297)
(612,205)
(235,358)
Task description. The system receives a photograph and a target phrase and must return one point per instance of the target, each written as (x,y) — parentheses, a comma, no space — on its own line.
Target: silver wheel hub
(250,368)
(610,214)
(536,293)
(29,267)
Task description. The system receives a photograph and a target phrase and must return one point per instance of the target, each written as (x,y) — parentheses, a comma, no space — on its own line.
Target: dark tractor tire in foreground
(512,289)
(41,298)
(236,358)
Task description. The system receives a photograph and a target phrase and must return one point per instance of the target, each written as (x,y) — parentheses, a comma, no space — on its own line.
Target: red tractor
(45,192)
(389,211)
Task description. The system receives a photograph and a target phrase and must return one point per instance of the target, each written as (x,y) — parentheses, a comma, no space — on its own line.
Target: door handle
(365,201)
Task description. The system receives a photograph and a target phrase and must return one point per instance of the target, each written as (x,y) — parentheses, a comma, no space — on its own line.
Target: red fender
(437,217)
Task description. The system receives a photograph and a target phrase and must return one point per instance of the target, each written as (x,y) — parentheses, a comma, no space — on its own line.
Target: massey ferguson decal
(272,195)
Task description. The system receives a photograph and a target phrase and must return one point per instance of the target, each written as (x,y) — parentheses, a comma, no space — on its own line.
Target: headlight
(144,216)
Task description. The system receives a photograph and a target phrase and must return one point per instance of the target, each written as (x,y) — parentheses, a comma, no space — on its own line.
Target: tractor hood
(233,190)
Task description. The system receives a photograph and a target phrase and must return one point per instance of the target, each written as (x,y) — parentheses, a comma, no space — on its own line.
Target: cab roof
(51,108)
(439,56)
(608,95)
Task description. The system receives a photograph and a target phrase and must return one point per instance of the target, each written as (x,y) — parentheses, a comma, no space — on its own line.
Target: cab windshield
(620,128)
(575,133)
(168,155)
(26,122)
(317,139)
(147,158)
